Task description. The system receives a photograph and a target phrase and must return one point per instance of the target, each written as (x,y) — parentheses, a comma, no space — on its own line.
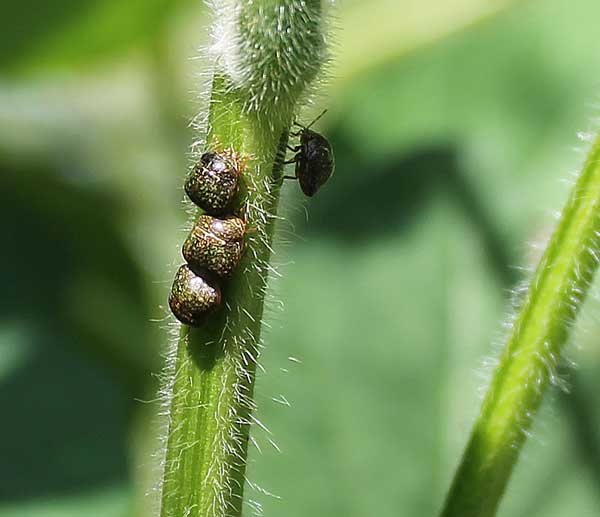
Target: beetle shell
(213,182)
(314,162)
(215,244)
(193,297)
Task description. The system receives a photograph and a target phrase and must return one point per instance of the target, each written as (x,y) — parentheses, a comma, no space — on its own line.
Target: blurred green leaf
(69,378)
(375,33)
(38,36)
(112,501)
(376,330)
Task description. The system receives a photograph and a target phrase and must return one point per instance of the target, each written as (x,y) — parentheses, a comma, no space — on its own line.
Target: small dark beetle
(314,159)
(213,181)
(193,296)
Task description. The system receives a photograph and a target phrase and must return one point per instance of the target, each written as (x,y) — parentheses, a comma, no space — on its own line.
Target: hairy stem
(529,361)
(275,48)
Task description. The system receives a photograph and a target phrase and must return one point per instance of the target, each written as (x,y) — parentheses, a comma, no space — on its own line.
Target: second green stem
(529,361)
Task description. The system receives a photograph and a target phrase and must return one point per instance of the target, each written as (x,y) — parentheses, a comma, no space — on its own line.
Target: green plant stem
(529,361)
(215,366)
(267,53)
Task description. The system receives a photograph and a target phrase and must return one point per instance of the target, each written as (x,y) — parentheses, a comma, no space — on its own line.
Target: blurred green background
(455,130)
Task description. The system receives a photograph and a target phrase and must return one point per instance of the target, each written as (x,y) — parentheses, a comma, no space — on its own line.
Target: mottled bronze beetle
(314,159)
(213,182)
(193,296)
(215,244)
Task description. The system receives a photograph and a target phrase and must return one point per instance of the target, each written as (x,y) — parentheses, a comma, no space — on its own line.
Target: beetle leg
(289,178)
(251,230)
(294,149)
(244,213)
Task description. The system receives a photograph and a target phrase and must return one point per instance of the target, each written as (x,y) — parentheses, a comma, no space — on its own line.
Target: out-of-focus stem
(529,361)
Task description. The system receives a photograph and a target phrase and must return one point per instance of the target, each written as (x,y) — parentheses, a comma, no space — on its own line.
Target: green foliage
(450,158)
(38,36)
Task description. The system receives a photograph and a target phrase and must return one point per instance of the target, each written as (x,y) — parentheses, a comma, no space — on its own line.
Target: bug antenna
(314,121)
(296,123)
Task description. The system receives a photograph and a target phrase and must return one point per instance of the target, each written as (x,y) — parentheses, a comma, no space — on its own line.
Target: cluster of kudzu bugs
(215,245)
